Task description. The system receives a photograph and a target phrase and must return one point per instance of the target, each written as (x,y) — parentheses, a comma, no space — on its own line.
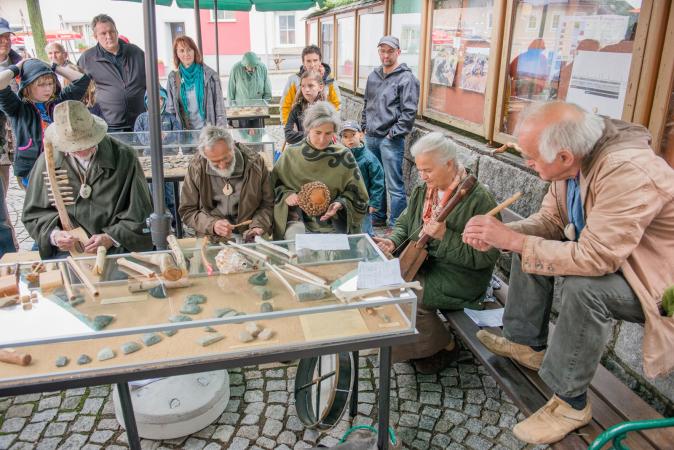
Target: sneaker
(552,422)
(501,346)
(438,362)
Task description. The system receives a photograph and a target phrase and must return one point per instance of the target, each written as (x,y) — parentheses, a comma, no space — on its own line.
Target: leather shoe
(552,422)
(501,346)
(436,363)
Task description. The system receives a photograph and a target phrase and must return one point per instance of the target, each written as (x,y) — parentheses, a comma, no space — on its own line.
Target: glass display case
(125,314)
(247,109)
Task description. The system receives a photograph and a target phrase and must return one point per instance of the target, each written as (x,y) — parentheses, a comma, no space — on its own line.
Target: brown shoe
(501,346)
(552,422)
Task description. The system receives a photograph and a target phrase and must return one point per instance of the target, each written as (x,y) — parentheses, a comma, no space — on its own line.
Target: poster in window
(599,82)
(475,67)
(443,65)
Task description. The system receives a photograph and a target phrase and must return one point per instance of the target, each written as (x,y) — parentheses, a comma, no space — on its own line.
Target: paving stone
(108,424)
(194,444)
(469,381)
(301,445)
(56,429)
(239,443)
(255,408)
(365,408)
(265,442)
(12,425)
(490,431)
(432,412)
(443,426)
(223,433)
(32,432)
(458,434)
(328,441)
(510,441)
(205,433)
(453,403)
(430,387)
(275,412)
(409,420)
(507,422)
(253,396)
(19,411)
(277,373)
(83,423)
(213,446)
(490,417)
(76,391)
(66,416)
(229,418)
(250,419)
(426,423)
(473,410)
(407,435)
(369,397)
(25,398)
(7,439)
(276,385)
(272,427)
(74,442)
(46,444)
(22,446)
(478,443)
(310,435)
(294,424)
(406,394)
(410,406)
(92,406)
(277,397)
(287,438)
(474,425)
(71,402)
(101,436)
(441,440)
(233,405)
(251,432)
(250,374)
(257,383)
(49,402)
(236,391)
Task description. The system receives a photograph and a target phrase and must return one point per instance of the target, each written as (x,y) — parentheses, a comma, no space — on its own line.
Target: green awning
(242,5)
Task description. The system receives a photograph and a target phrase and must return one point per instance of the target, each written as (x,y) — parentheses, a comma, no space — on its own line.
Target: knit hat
(163,94)
(250,59)
(33,69)
(74,128)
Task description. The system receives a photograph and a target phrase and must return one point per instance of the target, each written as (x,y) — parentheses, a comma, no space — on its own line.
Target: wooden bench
(612,401)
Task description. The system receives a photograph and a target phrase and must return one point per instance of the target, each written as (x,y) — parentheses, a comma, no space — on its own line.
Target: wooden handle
(242,224)
(164,261)
(13,357)
(177,253)
(82,276)
(66,281)
(141,269)
(101,253)
(516,196)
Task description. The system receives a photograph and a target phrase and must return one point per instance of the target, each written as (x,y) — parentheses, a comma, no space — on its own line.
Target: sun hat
(74,128)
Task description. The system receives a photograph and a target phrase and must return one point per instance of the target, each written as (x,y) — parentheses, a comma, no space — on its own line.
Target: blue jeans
(367,225)
(390,153)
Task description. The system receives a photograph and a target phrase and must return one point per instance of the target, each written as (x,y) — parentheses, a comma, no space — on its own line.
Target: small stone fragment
(158,291)
(210,330)
(190,309)
(149,339)
(225,312)
(27,306)
(25,298)
(105,354)
(245,336)
(179,318)
(130,347)
(266,307)
(169,333)
(265,334)
(370,311)
(240,313)
(209,339)
(62,361)
(77,301)
(263,292)
(83,359)
(252,328)
(385,318)
(258,279)
(308,292)
(195,299)
(101,322)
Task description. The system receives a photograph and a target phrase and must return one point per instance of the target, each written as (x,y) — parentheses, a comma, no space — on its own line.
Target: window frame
(372,9)
(342,84)
(280,31)
(211,17)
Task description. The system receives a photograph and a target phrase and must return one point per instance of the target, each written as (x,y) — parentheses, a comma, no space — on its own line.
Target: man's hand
(385,245)
(249,235)
(95,241)
(65,241)
(372,210)
(332,210)
(483,232)
(292,200)
(223,228)
(434,229)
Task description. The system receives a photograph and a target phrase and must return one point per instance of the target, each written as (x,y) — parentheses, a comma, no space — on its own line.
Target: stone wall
(505,174)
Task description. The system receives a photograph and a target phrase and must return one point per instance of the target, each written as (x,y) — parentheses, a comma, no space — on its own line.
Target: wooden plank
(663,89)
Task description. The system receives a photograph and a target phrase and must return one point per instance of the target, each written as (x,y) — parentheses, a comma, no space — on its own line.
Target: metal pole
(353,410)
(129,417)
(384,396)
(160,219)
(197,23)
(217,39)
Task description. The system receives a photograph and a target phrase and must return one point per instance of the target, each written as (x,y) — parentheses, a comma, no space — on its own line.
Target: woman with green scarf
(194,91)
(318,158)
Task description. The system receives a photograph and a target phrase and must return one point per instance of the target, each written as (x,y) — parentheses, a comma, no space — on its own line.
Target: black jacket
(26,124)
(120,96)
(390,102)
(14,58)
(294,131)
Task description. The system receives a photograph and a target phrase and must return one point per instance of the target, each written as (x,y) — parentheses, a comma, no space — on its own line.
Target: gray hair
(319,114)
(577,132)
(435,142)
(211,135)
(102,18)
(57,45)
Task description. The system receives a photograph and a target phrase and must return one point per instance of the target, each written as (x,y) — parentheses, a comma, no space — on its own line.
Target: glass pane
(371,30)
(346,30)
(668,135)
(578,50)
(406,25)
(460,44)
(326,42)
(313,33)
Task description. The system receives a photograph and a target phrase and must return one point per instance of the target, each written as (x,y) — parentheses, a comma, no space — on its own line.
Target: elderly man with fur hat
(111,197)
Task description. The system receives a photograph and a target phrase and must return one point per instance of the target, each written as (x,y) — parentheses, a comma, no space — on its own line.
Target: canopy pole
(197,23)
(217,38)
(160,219)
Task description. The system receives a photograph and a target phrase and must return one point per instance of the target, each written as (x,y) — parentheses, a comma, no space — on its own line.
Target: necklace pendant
(228,189)
(85,191)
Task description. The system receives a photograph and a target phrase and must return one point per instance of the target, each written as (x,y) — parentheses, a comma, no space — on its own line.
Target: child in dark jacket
(30,111)
(311,91)
(370,169)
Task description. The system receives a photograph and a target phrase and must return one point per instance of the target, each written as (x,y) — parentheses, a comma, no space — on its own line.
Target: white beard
(223,173)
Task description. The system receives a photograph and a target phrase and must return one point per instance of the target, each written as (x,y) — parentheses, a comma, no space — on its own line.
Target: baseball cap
(350,125)
(391,41)
(4,26)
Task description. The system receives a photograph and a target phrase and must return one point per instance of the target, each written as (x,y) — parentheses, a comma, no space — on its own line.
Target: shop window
(327,41)
(371,30)
(346,40)
(460,48)
(579,51)
(406,26)
(313,33)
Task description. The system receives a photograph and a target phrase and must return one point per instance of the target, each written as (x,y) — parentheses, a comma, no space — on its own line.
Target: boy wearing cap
(389,108)
(370,169)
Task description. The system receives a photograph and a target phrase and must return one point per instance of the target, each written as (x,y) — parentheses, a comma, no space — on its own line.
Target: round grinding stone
(177,406)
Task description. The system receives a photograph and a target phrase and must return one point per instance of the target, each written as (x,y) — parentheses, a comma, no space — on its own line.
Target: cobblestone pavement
(461,408)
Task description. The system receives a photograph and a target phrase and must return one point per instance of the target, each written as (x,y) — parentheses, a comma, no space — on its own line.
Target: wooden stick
(141,269)
(273,247)
(177,253)
(82,276)
(146,285)
(516,196)
(302,278)
(165,263)
(101,253)
(285,283)
(203,245)
(348,296)
(11,356)
(66,281)
(242,224)
(249,252)
(306,273)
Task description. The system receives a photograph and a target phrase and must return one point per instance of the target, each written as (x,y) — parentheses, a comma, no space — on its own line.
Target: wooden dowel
(141,269)
(146,285)
(516,196)
(283,281)
(165,263)
(13,357)
(302,278)
(82,276)
(305,273)
(66,281)
(101,253)
(242,224)
(203,245)
(273,247)
(249,252)
(177,253)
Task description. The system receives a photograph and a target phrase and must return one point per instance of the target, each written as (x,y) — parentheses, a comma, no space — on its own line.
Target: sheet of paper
(321,241)
(372,275)
(486,317)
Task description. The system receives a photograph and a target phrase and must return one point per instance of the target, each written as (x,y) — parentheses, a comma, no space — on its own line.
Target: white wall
(265,38)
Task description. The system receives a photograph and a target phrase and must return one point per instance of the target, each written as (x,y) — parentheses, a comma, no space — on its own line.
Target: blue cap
(4,26)
(351,125)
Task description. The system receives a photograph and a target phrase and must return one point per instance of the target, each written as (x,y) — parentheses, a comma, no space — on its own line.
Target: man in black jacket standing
(390,105)
(118,69)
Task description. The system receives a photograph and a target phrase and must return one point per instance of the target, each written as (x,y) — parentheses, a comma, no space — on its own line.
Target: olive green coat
(119,203)
(455,275)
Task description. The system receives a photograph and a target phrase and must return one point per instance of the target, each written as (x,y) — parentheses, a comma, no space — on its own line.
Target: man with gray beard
(225,186)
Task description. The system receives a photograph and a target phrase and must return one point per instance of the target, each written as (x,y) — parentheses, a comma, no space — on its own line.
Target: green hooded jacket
(119,203)
(249,86)
(455,275)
